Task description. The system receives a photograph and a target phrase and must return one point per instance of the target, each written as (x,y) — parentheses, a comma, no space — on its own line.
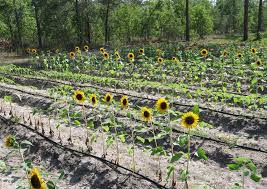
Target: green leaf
(252,167)
(255,177)
(77,123)
(62,174)
(176,157)
(170,170)
(26,142)
(3,166)
(241,160)
(201,154)
(50,185)
(246,173)
(105,128)
(7,98)
(159,151)
(140,139)
(90,124)
(181,140)
(183,175)
(196,109)
(233,166)
(122,138)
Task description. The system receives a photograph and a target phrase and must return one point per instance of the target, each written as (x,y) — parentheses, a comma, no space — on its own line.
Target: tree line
(63,23)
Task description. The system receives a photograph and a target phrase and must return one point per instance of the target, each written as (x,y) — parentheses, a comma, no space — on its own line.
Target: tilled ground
(210,174)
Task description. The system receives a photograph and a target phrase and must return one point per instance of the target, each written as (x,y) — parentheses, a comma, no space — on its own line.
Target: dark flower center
(258,63)
(146,114)
(163,105)
(79,97)
(239,55)
(108,98)
(204,52)
(105,55)
(124,102)
(189,120)
(93,99)
(35,182)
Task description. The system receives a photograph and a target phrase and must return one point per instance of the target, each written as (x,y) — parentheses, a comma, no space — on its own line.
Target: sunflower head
(86,48)
(131,56)
(72,55)
(79,96)
(106,55)
(162,105)
(160,60)
(253,50)
(190,120)
(34,51)
(146,114)
(239,55)
(204,52)
(36,180)
(10,141)
(142,51)
(174,59)
(102,50)
(28,50)
(225,53)
(124,102)
(93,99)
(108,98)
(258,62)
(117,55)
(77,49)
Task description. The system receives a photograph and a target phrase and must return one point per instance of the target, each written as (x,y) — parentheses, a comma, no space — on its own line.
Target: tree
(187,30)
(259,28)
(38,26)
(245,25)
(201,20)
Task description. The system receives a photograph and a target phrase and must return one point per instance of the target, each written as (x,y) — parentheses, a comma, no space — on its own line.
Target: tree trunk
(187,32)
(78,22)
(18,36)
(106,24)
(245,37)
(39,32)
(89,35)
(259,29)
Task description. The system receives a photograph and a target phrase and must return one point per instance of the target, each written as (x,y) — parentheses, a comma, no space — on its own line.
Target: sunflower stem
(188,157)
(156,144)
(23,159)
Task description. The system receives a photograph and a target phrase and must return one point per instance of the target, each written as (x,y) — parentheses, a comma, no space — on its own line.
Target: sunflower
(258,62)
(10,141)
(146,114)
(190,120)
(102,50)
(141,51)
(174,59)
(36,180)
(28,50)
(86,48)
(106,55)
(131,56)
(204,52)
(162,105)
(124,102)
(225,53)
(93,99)
(79,96)
(77,49)
(108,98)
(117,55)
(239,55)
(34,51)
(253,50)
(72,55)
(160,60)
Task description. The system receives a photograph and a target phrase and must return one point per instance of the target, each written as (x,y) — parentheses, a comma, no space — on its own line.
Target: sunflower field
(113,94)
